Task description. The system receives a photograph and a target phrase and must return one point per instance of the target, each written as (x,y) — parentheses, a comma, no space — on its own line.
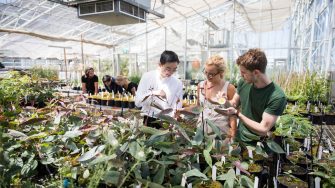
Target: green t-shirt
(254,101)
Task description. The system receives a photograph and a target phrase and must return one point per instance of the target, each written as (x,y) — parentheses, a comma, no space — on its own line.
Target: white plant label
(250,154)
(223,159)
(183,180)
(287,149)
(320,152)
(238,172)
(256,182)
(317,181)
(214,173)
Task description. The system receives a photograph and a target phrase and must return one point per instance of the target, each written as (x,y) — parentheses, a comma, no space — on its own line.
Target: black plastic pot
(131,104)
(285,181)
(296,170)
(124,104)
(117,103)
(104,102)
(111,103)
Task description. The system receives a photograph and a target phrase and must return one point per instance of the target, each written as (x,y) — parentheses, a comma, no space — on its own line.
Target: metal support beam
(185,51)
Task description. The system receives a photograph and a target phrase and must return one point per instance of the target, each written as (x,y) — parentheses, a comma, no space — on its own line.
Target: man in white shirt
(159,87)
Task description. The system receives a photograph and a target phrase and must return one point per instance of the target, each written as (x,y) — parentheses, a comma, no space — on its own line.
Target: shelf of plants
(71,143)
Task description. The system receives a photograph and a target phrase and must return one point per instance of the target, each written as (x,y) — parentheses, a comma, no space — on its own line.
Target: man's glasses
(167,69)
(209,75)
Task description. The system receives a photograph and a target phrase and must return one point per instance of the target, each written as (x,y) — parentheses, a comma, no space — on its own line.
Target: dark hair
(88,70)
(253,59)
(106,78)
(168,57)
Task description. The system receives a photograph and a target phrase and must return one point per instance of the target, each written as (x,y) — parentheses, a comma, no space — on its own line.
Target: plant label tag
(223,159)
(214,173)
(287,149)
(274,182)
(198,161)
(256,182)
(330,145)
(250,154)
(317,181)
(238,172)
(277,171)
(230,149)
(308,144)
(320,152)
(305,143)
(183,180)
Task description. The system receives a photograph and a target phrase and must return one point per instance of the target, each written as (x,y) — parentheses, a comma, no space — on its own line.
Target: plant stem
(132,169)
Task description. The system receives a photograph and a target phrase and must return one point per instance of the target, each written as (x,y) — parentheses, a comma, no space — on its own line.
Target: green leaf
(249,135)
(274,146)
(230,179)
(164,162)
(215,128)
(72,134)
(86,174)
(199,136)
(150,184)
(37,136)
(101,159)
(91,153)
(112,177)
(15,133)
(136,151)
(169,119)
(320,174)
(159,177)
(32,121)
(183,132)
(197,109)
(245,181)
(208,158)
(74,172)
(153,131)
(197,173)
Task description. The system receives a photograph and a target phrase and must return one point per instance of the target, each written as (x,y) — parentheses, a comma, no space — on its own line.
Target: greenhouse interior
(167,93)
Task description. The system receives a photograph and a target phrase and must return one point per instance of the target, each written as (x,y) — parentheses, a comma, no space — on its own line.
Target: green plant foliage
(49,74)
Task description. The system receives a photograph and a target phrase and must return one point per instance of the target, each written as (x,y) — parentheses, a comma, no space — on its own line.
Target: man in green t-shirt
(258,101)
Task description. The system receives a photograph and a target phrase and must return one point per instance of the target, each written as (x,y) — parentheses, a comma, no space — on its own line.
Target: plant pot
(297,171)
(330,119)
(131,104)
(291,182)
(104,102)
(317,118)
(111,102)
(298,158)
(117,103)
(124,104)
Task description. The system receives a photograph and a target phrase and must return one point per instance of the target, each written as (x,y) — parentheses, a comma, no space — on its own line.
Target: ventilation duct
(113,12)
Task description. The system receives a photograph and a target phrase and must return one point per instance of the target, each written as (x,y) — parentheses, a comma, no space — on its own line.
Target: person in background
(213,92)
(128,86)
(110,85)
(158,84)
(89,82)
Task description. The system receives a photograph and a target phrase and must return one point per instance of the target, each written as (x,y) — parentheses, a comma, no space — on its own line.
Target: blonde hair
(217,61)
(120,77)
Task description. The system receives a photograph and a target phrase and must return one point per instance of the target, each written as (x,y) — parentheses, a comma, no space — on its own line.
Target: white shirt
(152,81)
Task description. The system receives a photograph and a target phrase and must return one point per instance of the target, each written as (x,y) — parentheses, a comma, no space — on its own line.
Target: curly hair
(253,59)
(217,61)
